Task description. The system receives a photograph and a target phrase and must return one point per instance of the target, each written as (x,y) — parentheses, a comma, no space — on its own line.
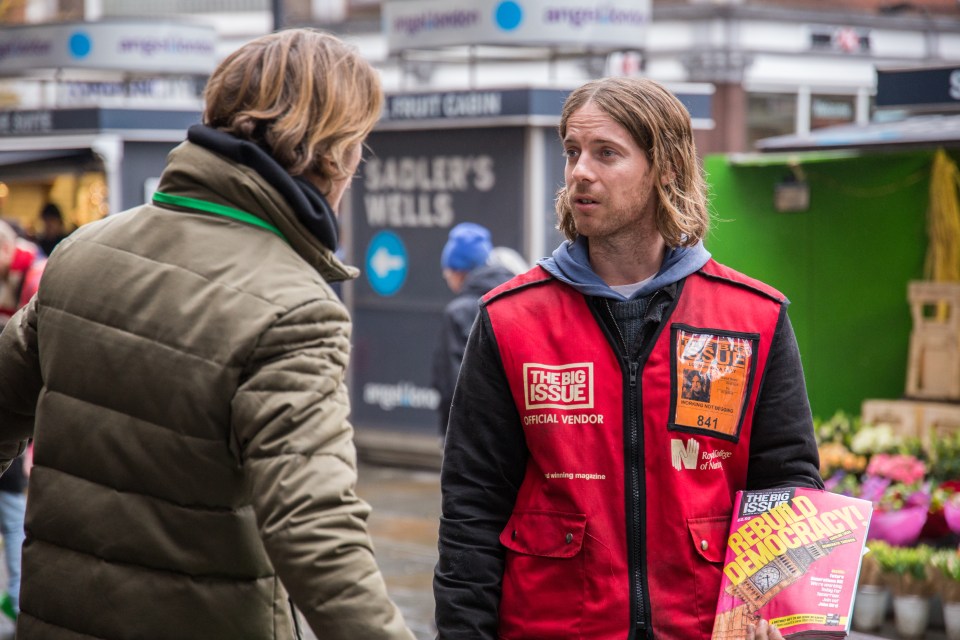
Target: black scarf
(308,203)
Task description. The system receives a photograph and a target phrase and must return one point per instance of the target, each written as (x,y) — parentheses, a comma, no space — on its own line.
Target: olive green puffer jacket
(193,458)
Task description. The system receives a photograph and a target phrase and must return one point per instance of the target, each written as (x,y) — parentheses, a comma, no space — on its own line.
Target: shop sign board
(491,103)
(480,103)
(411,189)
(21,123)
(919,88)
(163,48)
(92,119)
(609,24)
(416,185)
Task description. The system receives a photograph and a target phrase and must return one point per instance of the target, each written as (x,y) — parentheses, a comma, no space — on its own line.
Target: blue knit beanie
(468,247)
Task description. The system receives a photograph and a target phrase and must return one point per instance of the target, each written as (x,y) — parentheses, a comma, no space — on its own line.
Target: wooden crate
(902,415)
(933,369)
(938,420)
(928,421)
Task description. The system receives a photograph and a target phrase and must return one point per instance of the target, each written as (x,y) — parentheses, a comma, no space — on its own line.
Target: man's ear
(331,167)
(667,177)
(669,170)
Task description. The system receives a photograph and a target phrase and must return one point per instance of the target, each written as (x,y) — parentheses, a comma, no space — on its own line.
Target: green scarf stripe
(217,209)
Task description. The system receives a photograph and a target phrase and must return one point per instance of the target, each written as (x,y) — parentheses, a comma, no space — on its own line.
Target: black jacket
(458,318)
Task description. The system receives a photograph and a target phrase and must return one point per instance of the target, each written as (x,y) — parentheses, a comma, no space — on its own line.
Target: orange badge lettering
(713,372)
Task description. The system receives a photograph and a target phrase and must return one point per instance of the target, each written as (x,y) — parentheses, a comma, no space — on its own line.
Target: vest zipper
(636,500)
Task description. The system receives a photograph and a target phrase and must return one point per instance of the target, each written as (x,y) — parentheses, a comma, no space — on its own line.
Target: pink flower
(897,467)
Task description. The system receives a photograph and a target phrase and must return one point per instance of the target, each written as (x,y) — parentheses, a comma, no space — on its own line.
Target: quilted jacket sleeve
(20,382)
(290,421)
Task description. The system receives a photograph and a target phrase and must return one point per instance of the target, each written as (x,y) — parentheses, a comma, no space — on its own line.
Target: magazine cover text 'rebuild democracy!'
(793,558)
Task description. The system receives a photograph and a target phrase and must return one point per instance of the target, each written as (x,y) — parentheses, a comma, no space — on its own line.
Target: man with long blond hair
(586,492)
(181,371)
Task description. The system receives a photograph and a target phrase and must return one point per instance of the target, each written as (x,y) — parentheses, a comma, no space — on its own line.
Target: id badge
(712,375)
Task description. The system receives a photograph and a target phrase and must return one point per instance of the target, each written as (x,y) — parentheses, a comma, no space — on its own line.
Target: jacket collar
(308,203)
(239,174)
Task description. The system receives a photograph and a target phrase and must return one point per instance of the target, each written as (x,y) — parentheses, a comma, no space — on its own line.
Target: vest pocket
(544,575)
(709,539)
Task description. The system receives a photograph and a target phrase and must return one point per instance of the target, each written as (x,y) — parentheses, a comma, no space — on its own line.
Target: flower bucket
(951,619)
(899,528)
(951,513)
(870,607)
(911,615)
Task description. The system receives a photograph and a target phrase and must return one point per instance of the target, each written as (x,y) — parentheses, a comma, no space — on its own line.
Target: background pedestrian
(469,275)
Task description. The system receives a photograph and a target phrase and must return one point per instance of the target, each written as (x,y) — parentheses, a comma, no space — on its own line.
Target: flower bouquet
(870,605)
(943,470)
(904,569)
(946,573)
(840,428)
(946,569)
(870,571)
(894,483)
(951,512)
(907,570)
(871,439)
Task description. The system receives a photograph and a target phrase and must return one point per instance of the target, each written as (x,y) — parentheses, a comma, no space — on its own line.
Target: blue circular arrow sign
(386,263)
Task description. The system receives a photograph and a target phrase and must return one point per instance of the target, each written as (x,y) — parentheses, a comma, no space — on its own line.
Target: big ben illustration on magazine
(793,558)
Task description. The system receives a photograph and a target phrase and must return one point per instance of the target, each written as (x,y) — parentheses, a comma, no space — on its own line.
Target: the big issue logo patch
(565,386)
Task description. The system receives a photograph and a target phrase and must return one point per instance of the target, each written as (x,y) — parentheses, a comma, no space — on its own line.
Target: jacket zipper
(633,455)
(636,481)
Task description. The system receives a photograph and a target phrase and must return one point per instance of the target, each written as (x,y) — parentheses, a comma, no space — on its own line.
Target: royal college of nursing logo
(566,386)
(684,456)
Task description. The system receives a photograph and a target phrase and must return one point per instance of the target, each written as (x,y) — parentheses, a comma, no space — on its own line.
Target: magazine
(793,558)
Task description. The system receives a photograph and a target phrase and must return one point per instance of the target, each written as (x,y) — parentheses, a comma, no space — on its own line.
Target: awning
(789,158)
(917,131)
(8,158)
(29,163)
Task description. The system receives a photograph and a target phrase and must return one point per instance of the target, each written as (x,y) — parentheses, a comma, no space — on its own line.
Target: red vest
(614,525)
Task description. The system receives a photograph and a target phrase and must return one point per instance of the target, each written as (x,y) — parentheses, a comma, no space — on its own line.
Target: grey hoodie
(570,263)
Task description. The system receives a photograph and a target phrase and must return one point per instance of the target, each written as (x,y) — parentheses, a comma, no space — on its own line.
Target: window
(770,114)
(827,110)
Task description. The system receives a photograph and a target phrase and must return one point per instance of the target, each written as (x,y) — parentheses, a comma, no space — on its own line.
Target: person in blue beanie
(469,273)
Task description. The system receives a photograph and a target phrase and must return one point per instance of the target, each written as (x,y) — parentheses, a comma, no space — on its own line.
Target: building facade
(777,66)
